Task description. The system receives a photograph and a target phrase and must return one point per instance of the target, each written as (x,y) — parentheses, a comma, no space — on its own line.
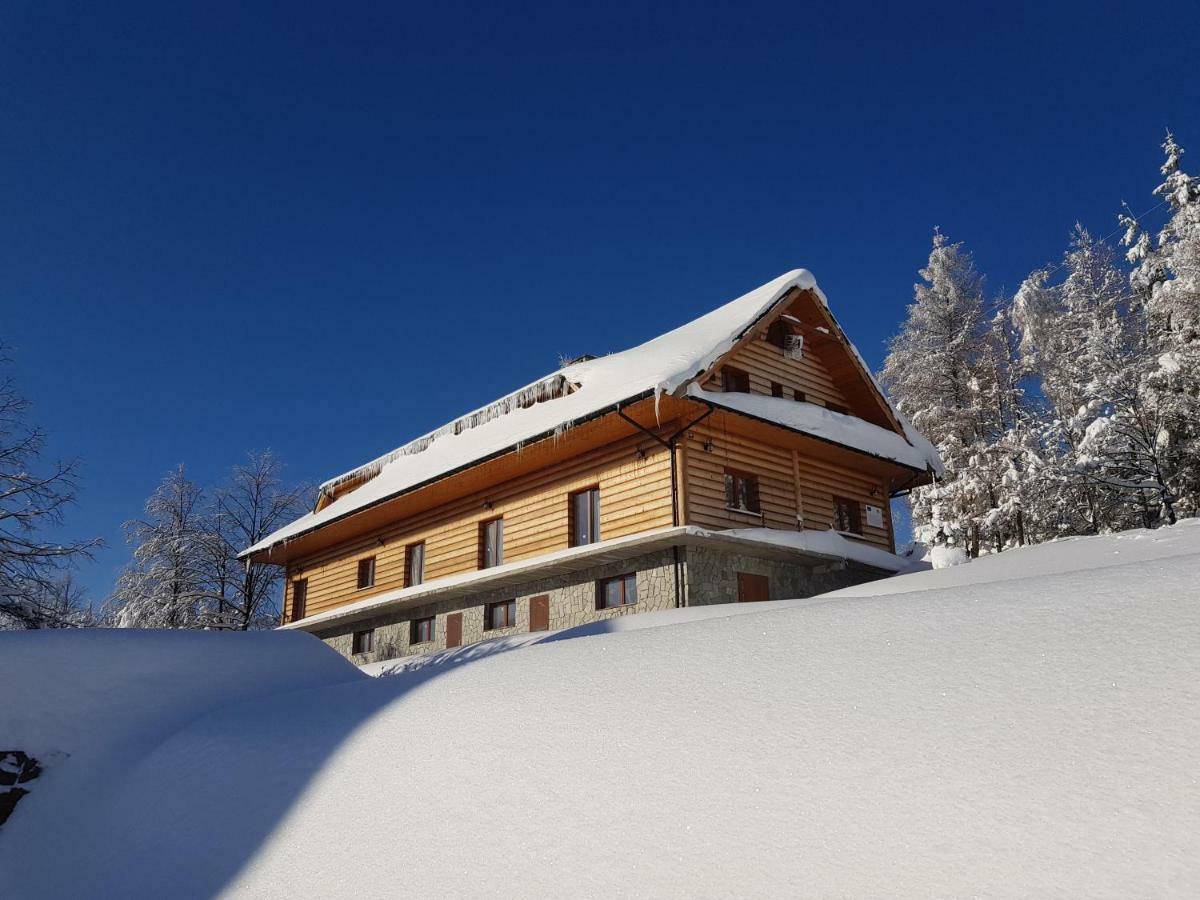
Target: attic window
(777,333)
(734,381)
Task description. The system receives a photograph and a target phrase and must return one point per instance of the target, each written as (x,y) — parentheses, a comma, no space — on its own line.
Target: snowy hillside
(1026,725)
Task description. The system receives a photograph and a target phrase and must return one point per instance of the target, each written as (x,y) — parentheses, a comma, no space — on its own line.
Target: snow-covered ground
(1025,725)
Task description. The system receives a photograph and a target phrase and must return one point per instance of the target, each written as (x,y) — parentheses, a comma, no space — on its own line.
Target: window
(776,389)
(837,408)
(421,630)
(614,592)
(364,641)
(491,543)
(414,564)
(847,515)
(500,615)
(799,396)
(585,517)
(299,598)
(741,491)
(777,333)
(735,381)
(366,572)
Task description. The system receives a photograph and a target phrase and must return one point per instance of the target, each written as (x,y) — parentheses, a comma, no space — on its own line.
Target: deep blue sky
(324,229)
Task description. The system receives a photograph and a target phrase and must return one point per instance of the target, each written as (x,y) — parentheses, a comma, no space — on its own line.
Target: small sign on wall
(874,516)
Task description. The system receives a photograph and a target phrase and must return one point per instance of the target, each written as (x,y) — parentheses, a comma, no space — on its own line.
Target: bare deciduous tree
(31,500)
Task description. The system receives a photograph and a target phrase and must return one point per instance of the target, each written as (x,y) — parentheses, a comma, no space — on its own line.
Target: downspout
(670,444)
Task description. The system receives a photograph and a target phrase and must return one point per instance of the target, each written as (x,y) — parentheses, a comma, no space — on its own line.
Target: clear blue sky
(324,229)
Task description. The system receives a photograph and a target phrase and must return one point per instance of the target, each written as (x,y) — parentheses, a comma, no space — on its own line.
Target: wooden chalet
(745,456)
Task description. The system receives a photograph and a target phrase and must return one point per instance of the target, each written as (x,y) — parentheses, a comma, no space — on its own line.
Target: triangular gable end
(807,312)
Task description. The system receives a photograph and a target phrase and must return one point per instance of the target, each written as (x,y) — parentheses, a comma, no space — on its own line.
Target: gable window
(585,517)
(499,615)
(491,543)
(837,408)
(414,564)
(741,491)
(299,598)
(421,631)
(366,572)
(364,641)
(847,515)
(614,592)
(734,380)
(776,389)
(777,333)
(798,395)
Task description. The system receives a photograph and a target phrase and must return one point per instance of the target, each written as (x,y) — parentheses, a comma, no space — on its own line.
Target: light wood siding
(766,363)
(635,496)
(819,482)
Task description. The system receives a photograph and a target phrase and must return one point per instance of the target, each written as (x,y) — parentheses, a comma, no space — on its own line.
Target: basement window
(612,593)
(741,491)
(421,630)
(364,641)
(366,573)
(499,615)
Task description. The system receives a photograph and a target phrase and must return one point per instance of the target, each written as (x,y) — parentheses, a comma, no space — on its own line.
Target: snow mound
(1033,732)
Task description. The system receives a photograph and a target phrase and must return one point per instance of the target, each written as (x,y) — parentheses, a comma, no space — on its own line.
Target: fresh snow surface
(849,431)
(663,365)
(1030,730)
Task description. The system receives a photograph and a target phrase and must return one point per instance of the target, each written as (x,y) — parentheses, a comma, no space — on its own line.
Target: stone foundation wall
(708,577)
(572,602)
(712,576)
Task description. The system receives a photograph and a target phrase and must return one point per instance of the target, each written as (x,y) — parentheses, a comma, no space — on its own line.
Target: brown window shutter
(454,630)
(752,588)
(539,613)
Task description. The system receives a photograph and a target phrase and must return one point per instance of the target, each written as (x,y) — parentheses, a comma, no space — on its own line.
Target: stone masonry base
(705,576)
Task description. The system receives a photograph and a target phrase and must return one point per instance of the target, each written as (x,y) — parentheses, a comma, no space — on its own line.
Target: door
(454,630)
(752,588)
(539,613)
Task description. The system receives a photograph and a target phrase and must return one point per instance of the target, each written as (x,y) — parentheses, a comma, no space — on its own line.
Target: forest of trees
(1070,407)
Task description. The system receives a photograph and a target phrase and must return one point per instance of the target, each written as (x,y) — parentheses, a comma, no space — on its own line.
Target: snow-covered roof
(578,391)
(849,431)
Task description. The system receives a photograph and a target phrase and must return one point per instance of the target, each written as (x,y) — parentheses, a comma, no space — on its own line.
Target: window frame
(299,610)
(498,522)
(593,513)
(625,579)
(366,565)
(408,560)
(414,630)
(735,380)
(854,514)
(510,614)
(363,641)
(732,479)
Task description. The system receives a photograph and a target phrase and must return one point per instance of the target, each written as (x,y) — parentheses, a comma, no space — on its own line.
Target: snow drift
(1006,735)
